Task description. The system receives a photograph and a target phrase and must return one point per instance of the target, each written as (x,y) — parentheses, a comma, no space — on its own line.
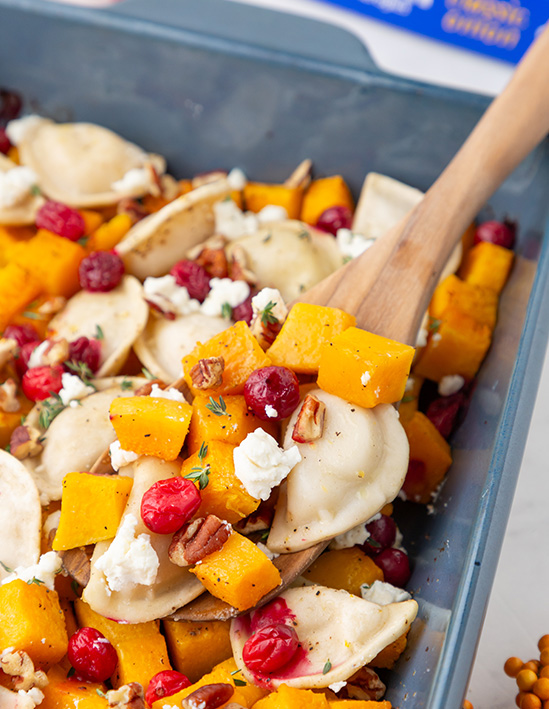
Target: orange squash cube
(91,509)
(30,613)
(487,265)
(92,220)
(241,352)
(151,425)
(324,193)
(232,427)
(68,693)
(195,648)
(239,573)
(292,698)
(107,235)
(258,195)
(478,302)
(346,569)
(430,458)
(307,327)
(17,289)
(224,494)
(390,654)
(364,368)
(141,648)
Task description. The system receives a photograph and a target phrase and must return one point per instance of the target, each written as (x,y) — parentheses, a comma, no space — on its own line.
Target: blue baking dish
(212,84)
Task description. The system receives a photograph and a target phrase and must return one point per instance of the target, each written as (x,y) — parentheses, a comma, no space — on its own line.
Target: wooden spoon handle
(515,122)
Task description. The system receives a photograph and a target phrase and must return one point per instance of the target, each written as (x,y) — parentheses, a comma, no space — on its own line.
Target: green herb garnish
(6,568)
(125,384)
(219,409)
(239,683)
(327,667)
(434,324)
(99,334)
(267,316)
(200,473)
(148,375)
(81,370)
(51,407)
(226,311)
(34,580)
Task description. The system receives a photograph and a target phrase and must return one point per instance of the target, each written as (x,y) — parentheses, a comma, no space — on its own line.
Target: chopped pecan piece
(210,696)
(52,353)
(8,397)
(197,539)
(310,420)
(129,696)
(211,256)
(208,373)
(301,176)
(25,442)
(162,305)
(8,348)
(146,388)
(216,242)
(20,667)
(52,305)
(365,685)
(238,267)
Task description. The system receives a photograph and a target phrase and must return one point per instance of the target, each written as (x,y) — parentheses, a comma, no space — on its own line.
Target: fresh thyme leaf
(434,324)
(38,582)
(83,240)
(125,384)
(8,448)
(407,399)
(101,693)
(75,587)
(99,334)
(264,535)
(23,419)
(203,452)
(33,316)
(239,683)
(219,409)
(6,568)
(71,672)
(82,370)
(234,672)
(267,316)
(148,375)
(304,234)
(51,407)
(267,238)
(226,311)
(200,475)
(35,190)
(327,667)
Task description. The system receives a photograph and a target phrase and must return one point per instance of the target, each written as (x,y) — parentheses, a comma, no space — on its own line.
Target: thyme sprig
(219,409)
(200,473)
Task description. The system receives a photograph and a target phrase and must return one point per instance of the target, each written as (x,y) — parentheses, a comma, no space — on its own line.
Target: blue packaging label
(503,29)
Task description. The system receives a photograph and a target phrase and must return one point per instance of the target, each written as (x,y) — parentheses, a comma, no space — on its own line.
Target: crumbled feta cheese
(169,393)
(352,245)
(383,593)
(231,221)
(437,337)
(271,213)
(224,290)
(52,522)
(270,295)
(137,180)
(365,378)
(270,411)
(450,384)
(44,571)
(73,388)
(37,355)
(237,179)
(336,686)
(356,535)
(422,336)
(16,185)
(29,699)
(260,464)
(19,129)
(121,457)
(165,288)
(129,560)
(268,553)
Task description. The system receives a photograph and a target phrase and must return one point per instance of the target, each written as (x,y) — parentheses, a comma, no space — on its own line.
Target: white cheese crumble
(271,213)
(450,384)
(383,593)
(231,221)
(268,553)
(356,535)
(16,185)
(73,388)
(44,571)
(237,179)
(37,355)
(224,290)
(129,560)
(260,464)
(336,686)
(20,128)
(352,245)
(169,393)
(270,295)
(29,699)
(270,411)
(121,457)
(437,337)
(137,181)
(165,288)
(422,336)
(365,378)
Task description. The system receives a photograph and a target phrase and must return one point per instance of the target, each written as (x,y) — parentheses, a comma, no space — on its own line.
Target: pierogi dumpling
(344,478)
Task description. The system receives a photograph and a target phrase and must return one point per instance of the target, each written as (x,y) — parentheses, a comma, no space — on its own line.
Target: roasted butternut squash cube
(92,220)
(258,195)
(430,458)
(107,235)
(487,265)
(364,368)
(457,345)
(7,242)
(324,193)
(479,302)
(151,425)
(292,698)
(239,573)
(17,288)
(390,654)
(141,648)
(347,569)
(241,352)
(231,427)
(91,509)
(224,494)
(31,619)
(64,692)
(307,327)
(195,648)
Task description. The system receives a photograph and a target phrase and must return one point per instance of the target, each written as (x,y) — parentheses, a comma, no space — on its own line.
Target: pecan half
(52,305)
(25,442)
(20,667)
(208,373)
(8,348)
(238,267)
(129,696)
(310,420)
(162,305)
(364,684)
(301,176)
(197,539)
(8,397)
(210,696)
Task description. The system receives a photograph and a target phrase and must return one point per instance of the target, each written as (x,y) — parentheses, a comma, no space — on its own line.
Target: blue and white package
(503,29)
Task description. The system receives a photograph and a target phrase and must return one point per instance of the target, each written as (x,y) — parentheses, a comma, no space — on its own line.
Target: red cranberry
(270,648)
(168,504)
(164,684)
(382,535)
(92,655)
(274,387)
(22,334)
(335,218)
(11,105)
(443,413)
(40,382)
(5,144)
(498,233)
(273,613)
(22,361)
(395,566)
(101,271)
(243,311)
(193,277)
(86,351)
(61,220)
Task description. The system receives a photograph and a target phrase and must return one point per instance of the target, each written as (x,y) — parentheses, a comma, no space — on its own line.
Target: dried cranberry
(272,393)
(164,684)
(11,105)
(61,220)
(335,218)
(243,311)
(22,360)
(87,351)
(395,566)
(101,271)
(92,655)
(5,144)
(22,334)
(444,412)
(270,648)
(193,277)
(382,535)
(40,382)
(498,233)
(168,504)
